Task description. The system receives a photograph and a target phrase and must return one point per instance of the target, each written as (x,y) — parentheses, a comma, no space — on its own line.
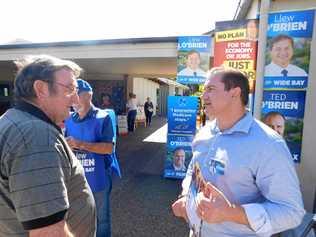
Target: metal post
(262,41)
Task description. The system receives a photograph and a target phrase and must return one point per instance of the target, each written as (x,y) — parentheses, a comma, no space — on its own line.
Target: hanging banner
(289,38)
(182,111)
(236,45)
(193,59)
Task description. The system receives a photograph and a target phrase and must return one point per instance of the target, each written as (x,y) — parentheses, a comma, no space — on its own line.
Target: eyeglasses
(72,89)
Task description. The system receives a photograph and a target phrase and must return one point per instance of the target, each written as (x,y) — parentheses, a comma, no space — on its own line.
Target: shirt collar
(243,125)
(36,112)
(90,114)
(279,67)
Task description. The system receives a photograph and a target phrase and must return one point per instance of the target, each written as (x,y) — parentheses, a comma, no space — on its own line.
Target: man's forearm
(59,229)
(238,215)
(100,147)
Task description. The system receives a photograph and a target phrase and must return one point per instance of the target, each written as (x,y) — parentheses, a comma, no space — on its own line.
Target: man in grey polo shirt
(246,183)
(43,190)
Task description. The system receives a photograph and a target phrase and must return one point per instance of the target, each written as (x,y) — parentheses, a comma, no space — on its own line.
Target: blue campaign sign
(288,103)
(198,43)
(295,23)
(191,79)
(183,141)
(193,59)
(182,114)
(274,83)
(295,149)
(179,154)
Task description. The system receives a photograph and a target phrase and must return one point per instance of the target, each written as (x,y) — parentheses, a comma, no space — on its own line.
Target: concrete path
(141,200)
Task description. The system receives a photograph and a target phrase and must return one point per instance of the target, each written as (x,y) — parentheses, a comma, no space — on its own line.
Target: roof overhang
(242,10)
(173,83)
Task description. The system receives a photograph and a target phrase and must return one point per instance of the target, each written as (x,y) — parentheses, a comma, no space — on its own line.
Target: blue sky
(64,20)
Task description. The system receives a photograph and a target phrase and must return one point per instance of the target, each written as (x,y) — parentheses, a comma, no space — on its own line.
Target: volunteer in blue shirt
(246,160)
(89,132)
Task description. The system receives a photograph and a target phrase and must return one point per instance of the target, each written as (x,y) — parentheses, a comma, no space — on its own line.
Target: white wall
(144,88)
(172,90)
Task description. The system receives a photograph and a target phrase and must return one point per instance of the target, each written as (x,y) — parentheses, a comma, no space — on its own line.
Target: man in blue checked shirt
(248,162)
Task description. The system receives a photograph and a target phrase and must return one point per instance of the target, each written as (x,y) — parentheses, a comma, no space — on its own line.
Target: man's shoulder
(297,70)
(184,71)
(21,128)
(263,133)
(269,67)
(201,72)
(204,133)
(21,120)
(102,113)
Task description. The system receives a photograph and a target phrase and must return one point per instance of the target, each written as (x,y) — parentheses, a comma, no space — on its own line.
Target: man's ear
(41,89)
(236,92)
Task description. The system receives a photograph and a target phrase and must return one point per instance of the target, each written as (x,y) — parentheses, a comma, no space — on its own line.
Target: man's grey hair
(39,67)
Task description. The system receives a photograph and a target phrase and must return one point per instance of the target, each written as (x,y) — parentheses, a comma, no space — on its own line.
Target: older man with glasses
(43,187)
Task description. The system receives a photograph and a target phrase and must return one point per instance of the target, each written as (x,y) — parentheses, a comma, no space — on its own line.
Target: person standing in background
(131,112)
(106,102)
(149,110)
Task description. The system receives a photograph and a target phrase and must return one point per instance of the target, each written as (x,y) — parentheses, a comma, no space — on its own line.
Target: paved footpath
(141,200)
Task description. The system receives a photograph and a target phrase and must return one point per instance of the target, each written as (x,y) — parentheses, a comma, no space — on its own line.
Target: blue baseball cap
(83,86)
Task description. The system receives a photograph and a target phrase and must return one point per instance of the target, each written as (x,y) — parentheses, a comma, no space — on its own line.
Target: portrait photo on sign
(192,63)
(287,56)
(289,128)
(178,159)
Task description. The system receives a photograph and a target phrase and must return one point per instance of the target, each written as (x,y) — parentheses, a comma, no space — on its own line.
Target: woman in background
(149,109)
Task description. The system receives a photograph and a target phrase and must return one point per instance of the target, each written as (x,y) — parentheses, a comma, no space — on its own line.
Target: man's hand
(96,147)
(178,208)
(214,207)
(73,143)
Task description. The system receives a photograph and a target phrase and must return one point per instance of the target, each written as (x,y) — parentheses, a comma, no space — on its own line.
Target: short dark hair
(280,38)
(272,114)
(39,67)
(232,78)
